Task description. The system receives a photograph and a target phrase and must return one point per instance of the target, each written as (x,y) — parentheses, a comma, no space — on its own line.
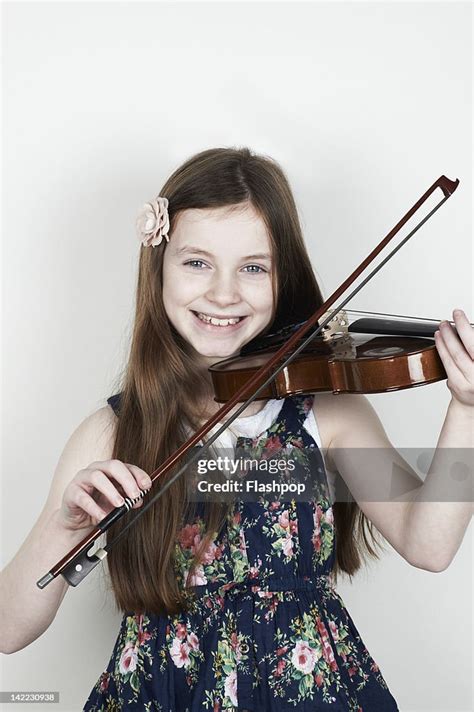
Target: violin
(373,353)
(359,364)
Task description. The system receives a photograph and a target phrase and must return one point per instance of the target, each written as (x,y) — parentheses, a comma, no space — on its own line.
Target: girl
(231,607)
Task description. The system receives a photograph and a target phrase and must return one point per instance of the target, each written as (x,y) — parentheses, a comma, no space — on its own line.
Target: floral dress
(267,630)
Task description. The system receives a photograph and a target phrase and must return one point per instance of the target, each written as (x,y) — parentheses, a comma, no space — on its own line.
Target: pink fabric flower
(153,222)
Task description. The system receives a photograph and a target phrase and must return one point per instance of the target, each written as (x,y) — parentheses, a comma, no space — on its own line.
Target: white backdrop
(364,105)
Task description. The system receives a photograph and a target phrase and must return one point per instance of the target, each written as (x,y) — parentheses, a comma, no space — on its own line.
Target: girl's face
(217,265)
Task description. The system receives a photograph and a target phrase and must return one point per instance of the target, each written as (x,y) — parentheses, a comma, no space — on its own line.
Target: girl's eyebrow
(198,251)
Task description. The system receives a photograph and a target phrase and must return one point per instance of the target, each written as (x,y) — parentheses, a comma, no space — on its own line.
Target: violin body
(350,363)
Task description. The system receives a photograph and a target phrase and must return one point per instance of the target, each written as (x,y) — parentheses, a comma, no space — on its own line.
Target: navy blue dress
(267,630)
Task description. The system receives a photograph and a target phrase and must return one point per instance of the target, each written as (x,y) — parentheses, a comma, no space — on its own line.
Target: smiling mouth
(214,321)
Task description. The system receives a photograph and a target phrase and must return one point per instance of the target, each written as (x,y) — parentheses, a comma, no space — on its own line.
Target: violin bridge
(338,326)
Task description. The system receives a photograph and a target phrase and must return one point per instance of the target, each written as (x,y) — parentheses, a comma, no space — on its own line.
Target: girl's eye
(257,267)
(193,264)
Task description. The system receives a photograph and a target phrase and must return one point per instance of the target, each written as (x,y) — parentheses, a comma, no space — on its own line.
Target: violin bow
(78,563)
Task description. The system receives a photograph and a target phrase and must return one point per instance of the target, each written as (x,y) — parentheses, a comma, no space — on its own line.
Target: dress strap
(114,402)
(301,407)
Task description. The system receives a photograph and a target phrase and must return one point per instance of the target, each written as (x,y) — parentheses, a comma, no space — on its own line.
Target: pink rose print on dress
(193,641)
(334,631)
(328,652)
(288,546)
(181,631)
(210,554)
(303,657)
(104,681)
(255,570)
(179,652)
(128,659)
(187,534)
(230,687)
(198,578)
(316,537)
(272,445)
(280,668)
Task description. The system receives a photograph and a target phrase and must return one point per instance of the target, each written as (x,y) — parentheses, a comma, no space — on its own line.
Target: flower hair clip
(153,222)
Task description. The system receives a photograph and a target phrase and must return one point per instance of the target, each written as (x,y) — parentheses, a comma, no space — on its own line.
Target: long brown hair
(161,387)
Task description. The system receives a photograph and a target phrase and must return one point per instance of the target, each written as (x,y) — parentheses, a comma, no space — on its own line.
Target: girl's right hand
(92,495)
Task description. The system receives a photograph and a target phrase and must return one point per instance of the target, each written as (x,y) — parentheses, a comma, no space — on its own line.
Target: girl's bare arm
(27,611)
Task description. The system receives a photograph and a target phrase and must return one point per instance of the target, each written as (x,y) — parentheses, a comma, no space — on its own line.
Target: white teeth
(217,322)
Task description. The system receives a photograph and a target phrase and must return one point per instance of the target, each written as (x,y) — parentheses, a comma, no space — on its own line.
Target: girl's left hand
(456,351)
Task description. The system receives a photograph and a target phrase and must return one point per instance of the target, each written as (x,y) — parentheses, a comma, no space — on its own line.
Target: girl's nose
(223,290)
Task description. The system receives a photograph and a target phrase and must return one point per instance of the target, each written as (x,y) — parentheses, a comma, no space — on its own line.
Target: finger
(99,480)
(143,479)
(455,347)
(140,475)
(121,473)
(456,381)
(81,499)
(465,331)
(448,363)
